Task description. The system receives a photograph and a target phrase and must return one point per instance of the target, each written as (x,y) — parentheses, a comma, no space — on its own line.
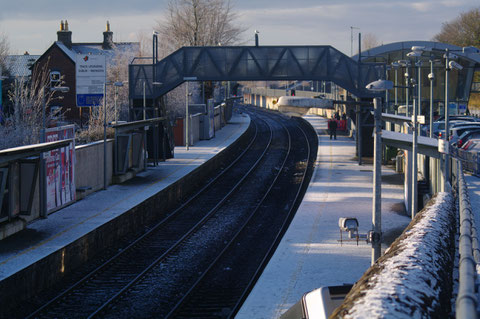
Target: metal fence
(470,160)
(469,253)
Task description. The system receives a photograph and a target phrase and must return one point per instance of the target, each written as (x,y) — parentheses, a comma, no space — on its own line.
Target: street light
(449,64)
(376,235)
(406,64)
(351,39)
(431,77)
(117,85)
(395,66)
(416,104)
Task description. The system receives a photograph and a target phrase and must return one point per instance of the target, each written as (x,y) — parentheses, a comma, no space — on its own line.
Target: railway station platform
(43,248)
(310,254)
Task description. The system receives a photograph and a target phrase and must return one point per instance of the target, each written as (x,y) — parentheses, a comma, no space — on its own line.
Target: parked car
(457,131)
(466,136)
(440,130)
(459,118)
(472,145)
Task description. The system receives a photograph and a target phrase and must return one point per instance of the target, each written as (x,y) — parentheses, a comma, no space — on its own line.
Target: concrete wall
(89,167)
(32,280)
(194,128)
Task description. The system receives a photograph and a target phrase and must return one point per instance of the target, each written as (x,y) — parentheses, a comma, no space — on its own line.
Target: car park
(472,145)
(460,118)
(457,131)
(439,128)
(466,136)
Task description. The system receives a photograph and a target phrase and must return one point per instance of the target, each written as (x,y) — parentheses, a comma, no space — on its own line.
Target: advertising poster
(60,169)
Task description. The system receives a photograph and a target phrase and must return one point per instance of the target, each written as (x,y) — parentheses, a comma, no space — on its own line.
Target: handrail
(467,299)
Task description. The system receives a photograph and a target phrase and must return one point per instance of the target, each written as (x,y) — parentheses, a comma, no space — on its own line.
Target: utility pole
(351,39)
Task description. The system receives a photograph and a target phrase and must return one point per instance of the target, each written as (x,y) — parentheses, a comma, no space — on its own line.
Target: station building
(60,61)
(403,70)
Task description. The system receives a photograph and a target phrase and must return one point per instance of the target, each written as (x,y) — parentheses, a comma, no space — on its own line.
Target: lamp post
(406,64)
(448,66)
(395,66)
(407,85)
(416,104)
(43,177)
(117,85)
(351,39)
(376,234)
(105,135)
(155,132)
(431,77)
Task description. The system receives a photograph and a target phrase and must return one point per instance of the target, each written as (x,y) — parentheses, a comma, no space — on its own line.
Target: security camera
(417,48)
(380,85)
(455,65)
(431,76)
(414,54)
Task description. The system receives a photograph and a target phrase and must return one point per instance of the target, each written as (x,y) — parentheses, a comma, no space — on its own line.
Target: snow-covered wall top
(414,277)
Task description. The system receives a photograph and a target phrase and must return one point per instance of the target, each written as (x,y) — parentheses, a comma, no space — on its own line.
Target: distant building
(20,65)
(60,59)
(464,85)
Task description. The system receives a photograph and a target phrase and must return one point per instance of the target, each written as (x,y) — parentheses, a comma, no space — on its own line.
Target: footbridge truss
(247,63)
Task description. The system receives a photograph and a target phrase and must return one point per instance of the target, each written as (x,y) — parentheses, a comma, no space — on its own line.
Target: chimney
(63,35)
(108,39)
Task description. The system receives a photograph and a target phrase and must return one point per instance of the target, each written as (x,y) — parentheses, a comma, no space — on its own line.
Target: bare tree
(199,23)
(29,99)
(462,31)
(196,23)
(369,41)
(4,51)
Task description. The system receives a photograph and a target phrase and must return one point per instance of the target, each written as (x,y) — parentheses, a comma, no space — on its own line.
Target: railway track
(164,271)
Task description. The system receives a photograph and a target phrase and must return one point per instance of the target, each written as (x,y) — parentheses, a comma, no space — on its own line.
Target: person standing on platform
(332,128)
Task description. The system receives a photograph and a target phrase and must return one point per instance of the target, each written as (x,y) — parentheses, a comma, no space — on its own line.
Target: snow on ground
(406,282)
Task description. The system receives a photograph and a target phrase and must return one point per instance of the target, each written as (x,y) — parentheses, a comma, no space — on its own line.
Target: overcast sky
(31,25)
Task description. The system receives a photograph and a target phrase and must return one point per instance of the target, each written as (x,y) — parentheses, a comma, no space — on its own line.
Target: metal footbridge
(251,63)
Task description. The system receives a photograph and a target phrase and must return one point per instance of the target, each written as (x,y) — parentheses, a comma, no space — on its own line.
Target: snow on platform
(65,226)
(310,254)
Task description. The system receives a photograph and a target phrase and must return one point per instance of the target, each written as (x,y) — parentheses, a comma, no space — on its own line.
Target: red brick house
(60,58)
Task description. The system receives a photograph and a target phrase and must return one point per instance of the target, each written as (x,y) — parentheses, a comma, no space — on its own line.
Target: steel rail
(87,277)
(239,232)
(187,235)
(467,298)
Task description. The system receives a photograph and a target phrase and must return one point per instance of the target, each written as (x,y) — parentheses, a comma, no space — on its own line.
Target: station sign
(90,78)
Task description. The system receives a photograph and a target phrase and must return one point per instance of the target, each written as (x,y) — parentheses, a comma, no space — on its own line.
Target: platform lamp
(376,233)
(395,65)
(449,65)
(117,85)
(155,146)
(43,177)
(415,53)
(406,64)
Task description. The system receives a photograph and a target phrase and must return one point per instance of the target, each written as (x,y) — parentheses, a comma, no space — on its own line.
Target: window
(54,78)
